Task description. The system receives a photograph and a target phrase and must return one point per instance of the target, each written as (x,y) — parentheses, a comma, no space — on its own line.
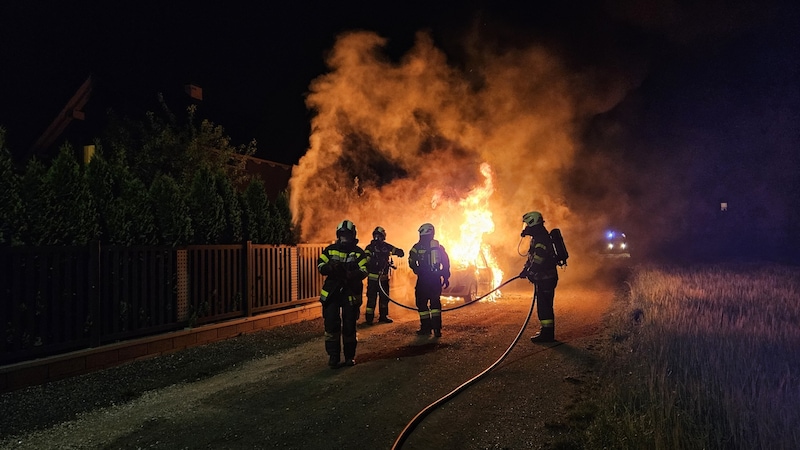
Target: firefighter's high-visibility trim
(332,336)
(538,257)
(547,323)
(341,256)
(323,260)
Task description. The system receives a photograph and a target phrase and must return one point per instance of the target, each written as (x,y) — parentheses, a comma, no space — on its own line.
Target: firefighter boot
(350,353)
(334,352)
(384,313)
(424,327)
(545,334)
(436,324)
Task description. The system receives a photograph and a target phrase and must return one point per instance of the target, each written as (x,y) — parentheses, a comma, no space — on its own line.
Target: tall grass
(705,357)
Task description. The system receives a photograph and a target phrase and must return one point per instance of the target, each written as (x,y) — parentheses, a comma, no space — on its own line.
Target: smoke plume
(400,143)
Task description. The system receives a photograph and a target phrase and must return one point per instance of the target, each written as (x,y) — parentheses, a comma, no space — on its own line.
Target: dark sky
(254,60)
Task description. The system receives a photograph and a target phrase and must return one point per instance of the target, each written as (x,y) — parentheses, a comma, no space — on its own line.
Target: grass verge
(703,357)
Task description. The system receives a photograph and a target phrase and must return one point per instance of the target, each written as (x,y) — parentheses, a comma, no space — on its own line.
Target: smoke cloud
(400,143)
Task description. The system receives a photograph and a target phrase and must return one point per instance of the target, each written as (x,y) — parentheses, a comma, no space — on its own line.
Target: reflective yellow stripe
(332,336)
(547,322)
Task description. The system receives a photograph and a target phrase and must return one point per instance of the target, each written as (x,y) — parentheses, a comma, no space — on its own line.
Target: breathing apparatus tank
(436,258)
(559,248)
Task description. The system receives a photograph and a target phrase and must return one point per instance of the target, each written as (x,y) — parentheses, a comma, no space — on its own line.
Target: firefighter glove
(445,283)
(524,273)
(399,252)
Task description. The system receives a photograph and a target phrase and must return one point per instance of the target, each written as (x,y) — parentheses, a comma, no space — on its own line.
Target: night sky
(255,62)
(709,108)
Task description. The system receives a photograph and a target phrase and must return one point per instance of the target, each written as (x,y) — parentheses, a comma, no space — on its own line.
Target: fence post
(248,279)
(295,268)
(182,285)
(95,273)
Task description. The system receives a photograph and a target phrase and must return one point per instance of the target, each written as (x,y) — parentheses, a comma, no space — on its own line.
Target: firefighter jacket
(345,266)
(429,261)
(379,253)
(541,263)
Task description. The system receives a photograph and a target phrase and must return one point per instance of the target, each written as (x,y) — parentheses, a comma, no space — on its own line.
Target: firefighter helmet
(533,218)
(426,229)
(379,231)
(346,227)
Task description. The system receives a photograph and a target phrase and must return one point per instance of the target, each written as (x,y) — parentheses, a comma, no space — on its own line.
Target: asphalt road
(274,389)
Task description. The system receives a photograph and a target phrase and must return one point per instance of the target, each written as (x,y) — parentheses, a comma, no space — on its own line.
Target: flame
(469,250)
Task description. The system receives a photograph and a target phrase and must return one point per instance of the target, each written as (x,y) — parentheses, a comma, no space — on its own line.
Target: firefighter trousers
(545,294)
(376,295)
(340,317)
(429,304)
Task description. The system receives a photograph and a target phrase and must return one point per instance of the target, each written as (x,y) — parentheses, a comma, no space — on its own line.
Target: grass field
(704,357)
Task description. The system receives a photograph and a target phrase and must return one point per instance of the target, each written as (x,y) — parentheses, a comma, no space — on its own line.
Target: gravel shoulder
(272,389)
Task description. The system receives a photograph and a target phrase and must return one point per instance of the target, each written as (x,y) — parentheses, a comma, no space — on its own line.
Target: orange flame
(469,250)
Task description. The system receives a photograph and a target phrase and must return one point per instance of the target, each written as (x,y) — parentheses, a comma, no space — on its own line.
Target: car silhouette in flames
(471,280)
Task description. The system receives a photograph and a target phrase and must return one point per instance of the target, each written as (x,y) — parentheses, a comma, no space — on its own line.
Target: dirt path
(289,398)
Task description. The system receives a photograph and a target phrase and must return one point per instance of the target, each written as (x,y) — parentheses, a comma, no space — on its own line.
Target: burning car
(615,245)
(471,280)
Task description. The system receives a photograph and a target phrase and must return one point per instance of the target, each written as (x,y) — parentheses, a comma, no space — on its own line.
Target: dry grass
(705,357)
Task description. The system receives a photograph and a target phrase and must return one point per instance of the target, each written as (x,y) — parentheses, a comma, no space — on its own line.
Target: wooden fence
(59,299)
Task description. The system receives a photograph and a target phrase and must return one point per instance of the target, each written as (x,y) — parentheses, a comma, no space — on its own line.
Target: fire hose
(383,291)
(422,414)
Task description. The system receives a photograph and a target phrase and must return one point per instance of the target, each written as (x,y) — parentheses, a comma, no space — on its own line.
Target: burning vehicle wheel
(472,293)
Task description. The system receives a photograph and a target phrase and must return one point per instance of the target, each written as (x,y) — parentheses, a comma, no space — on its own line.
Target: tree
(58,207)
(282,218)
(33,226)
(255,212)
(171,214)
(10,201)
(102,181)
(159,144)
(232,210)
(129,215)
(206,208)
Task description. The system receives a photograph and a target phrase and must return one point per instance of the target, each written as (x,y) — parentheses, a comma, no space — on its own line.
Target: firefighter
(429,261)
(380,253)
(344,264)
(540,269)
